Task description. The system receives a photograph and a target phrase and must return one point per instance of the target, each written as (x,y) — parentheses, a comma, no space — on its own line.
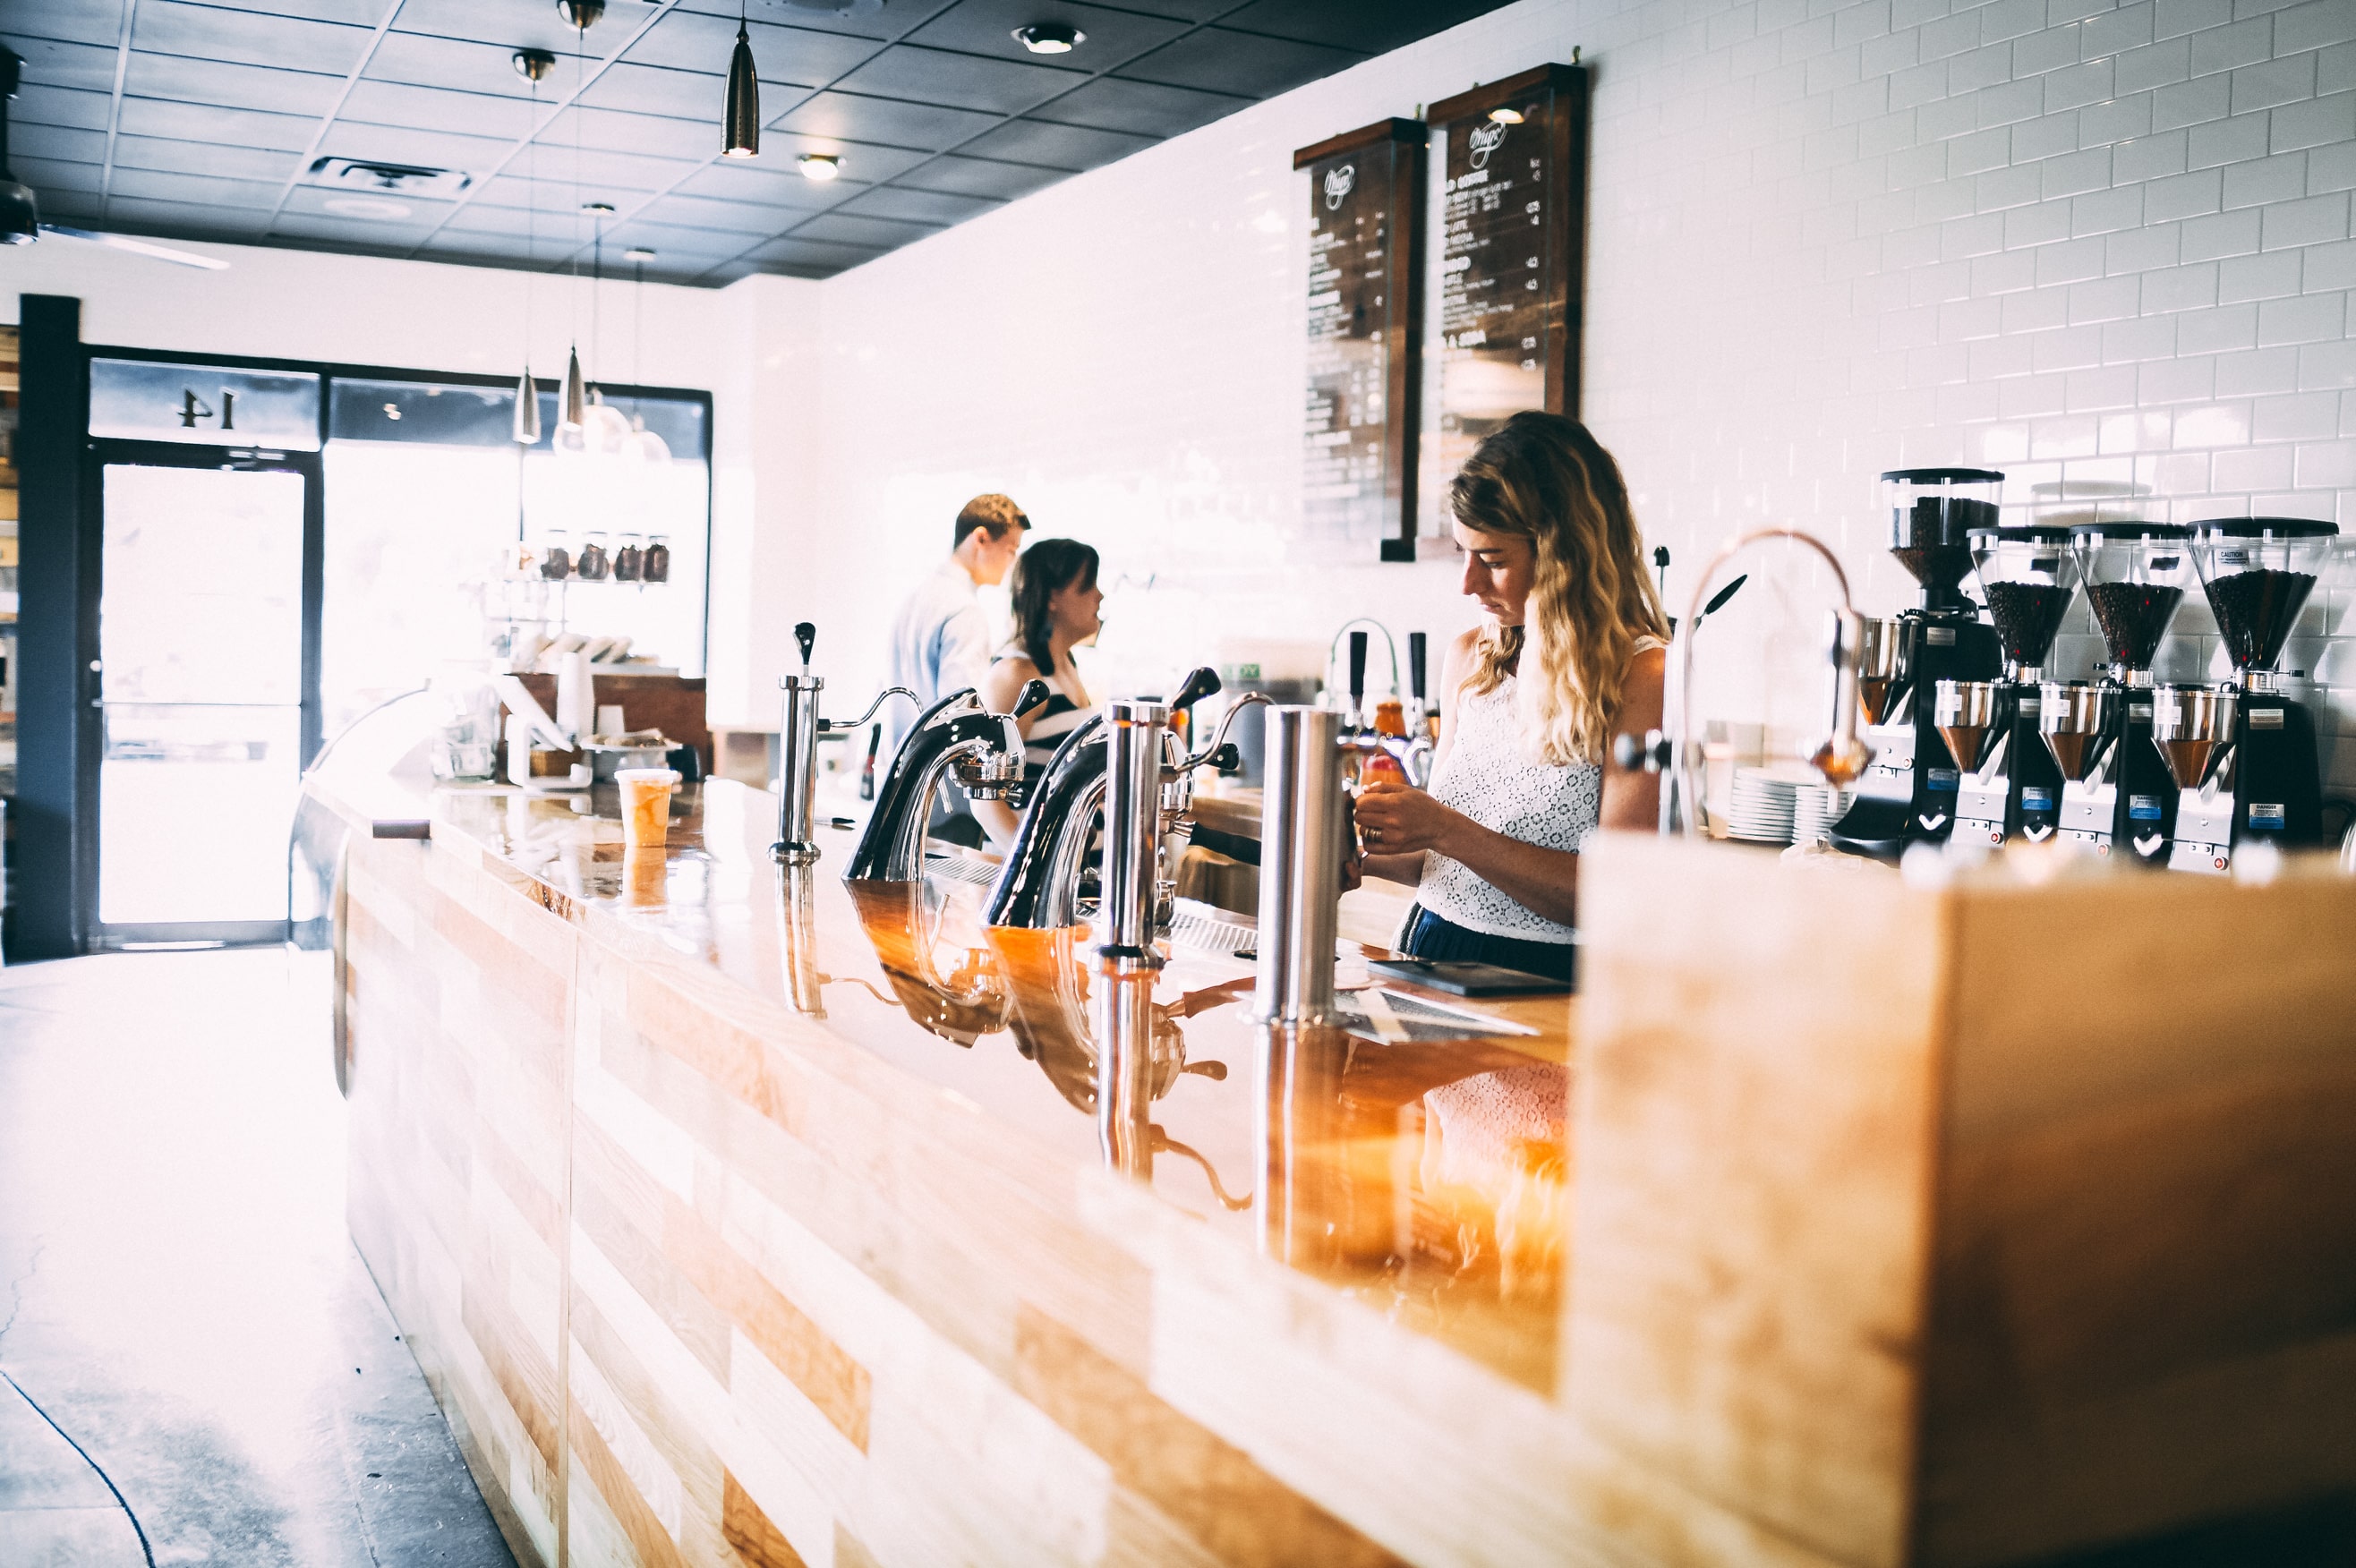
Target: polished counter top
(1426,1177)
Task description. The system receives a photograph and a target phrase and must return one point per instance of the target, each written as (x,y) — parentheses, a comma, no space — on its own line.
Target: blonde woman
(1570,655)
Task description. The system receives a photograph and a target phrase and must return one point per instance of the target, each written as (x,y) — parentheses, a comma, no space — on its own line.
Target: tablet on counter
(1464,978)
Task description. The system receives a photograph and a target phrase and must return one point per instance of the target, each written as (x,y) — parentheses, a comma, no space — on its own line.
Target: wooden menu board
(1512,259)
(1365,308)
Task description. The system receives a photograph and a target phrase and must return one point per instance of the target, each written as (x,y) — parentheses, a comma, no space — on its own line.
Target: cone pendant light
(527,410)
(531,65)
(744,113)
(574,410)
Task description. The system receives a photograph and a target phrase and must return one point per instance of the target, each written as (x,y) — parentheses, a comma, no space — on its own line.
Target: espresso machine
(2119,795)
(2245,755)
(2010,786)
(1908,794)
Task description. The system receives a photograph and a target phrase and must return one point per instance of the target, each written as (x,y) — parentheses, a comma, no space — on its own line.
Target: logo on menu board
(1485,139)
(1339,182)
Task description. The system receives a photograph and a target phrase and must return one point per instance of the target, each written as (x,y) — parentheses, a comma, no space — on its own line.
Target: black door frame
(100,454)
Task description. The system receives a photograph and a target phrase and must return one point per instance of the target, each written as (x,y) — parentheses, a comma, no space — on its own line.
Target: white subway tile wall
(2082,243)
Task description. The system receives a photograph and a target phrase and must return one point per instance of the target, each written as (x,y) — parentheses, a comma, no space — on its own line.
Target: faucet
(1359,662)
(799,730)
(958,736)
(1039,888)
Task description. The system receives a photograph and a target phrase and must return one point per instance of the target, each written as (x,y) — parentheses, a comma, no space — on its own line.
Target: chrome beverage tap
(957,737)
(797,731)
(1040,887)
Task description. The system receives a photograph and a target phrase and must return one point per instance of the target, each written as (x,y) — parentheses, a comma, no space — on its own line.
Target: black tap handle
(1358,671)
(1034,694)
(805,634)
(1197,686)
(1415,665)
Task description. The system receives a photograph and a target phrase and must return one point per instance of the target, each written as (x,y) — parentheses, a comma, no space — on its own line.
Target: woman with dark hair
(1056,600)
(1570,655)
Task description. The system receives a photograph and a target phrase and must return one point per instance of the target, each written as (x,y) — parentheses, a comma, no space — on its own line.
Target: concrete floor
(197,1368)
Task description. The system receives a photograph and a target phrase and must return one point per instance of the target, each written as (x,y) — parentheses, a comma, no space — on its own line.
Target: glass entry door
(208,685)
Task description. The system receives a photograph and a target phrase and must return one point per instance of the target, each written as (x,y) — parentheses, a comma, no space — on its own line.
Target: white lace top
(1490,777)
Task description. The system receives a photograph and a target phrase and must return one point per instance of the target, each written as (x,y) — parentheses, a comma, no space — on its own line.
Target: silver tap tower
(1299,866)
(1132,855)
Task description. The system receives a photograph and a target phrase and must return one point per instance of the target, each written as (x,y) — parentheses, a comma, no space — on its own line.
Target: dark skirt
(1429,937)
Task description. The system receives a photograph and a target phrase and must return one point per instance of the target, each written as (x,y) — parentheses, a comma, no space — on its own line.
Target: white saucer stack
(1761,807)
(1814,808)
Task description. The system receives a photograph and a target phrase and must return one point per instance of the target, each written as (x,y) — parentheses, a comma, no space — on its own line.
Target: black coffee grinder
(2011,787)
(2119,796)
(1908,793)
(2266,783)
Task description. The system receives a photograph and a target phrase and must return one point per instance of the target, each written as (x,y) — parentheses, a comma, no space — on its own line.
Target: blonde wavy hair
(1545,478)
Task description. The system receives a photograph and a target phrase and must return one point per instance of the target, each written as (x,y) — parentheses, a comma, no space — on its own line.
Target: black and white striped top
(1058,719)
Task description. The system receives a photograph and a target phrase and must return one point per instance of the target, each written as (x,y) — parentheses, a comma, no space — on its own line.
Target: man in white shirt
(940,643)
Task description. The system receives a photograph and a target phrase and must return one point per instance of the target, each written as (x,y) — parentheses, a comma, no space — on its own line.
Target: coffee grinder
(2010,788)
(1908,794)
(2265,782)
(2119,794)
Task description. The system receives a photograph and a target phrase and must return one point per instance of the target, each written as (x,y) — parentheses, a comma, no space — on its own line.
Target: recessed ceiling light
(820,165)
(1505,116)
(637,253)
(373,207)
(601,209)
(1050,37)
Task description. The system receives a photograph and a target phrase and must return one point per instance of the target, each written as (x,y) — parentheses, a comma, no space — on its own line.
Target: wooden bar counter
(740,1217)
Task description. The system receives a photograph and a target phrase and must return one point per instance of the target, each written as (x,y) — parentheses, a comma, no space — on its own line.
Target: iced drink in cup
(645,804)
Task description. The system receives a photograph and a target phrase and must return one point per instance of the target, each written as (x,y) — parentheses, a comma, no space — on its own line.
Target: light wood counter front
(741,1218)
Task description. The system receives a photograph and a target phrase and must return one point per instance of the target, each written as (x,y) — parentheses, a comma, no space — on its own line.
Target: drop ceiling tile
(513,25)
(987,28)
(721,216)
(796,251)
(46,174)
(893,20)
(462,66)
(152,185)
(797,56)
(1183,10)
(187,220)
(1214,60)
(313,201)
(1368,26)
(72,206)
(248,37)
(958,80)
(734,272)
(735,182)
(61,106)
(58,142)
(1067,148)
(50,63)
(675,245)
(917,206)
(228,86)
(428,149)
(882,232)
(604,176)
(657,90)
(204,158)
(68,21)
(862,161)
(979,177)
(1142,109)
(358,13)
(203,123)
(376,237)
(432,109)
(647,135)
(884,119)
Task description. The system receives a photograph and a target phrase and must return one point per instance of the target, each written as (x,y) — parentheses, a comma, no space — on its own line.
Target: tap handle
(1200,684)
(1357,674)
(805,634)
(1415,665)
(1034,694)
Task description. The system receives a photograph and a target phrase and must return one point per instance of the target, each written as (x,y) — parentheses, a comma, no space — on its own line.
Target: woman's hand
(1395,818)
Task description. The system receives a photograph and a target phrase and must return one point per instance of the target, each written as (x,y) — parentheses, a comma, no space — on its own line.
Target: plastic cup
(645,804)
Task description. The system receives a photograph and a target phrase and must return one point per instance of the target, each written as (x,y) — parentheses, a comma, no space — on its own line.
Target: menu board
(1365,284)
(1512,161)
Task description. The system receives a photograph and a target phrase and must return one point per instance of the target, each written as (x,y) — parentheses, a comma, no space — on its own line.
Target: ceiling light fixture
(369,207)
(1505,116)
(1050,37)
(820,165)
(581,14)
(531,65)
(637,253)
(740,120)
(572,401)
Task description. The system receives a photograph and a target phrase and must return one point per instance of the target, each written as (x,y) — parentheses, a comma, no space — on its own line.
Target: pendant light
(531,65)
(743,117)
(645,448)
(607,430)
(572,407)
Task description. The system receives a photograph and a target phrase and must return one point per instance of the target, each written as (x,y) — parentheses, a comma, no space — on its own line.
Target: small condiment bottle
(657,565)
(628,559)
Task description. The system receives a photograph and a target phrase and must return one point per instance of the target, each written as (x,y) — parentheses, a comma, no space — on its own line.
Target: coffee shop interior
(770,794)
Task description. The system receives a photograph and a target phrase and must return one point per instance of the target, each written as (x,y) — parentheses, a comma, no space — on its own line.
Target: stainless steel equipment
(2116,795)
(959,738)
(1301,825)
(2014,789)
(798,729)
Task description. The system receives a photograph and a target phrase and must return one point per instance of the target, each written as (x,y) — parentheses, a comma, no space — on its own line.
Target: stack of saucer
(1761,807)
(1814,808)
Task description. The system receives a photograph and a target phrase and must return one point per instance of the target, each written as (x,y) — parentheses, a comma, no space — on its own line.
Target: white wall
(2067,239)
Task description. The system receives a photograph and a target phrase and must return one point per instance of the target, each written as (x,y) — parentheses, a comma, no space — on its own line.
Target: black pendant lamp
(742,120)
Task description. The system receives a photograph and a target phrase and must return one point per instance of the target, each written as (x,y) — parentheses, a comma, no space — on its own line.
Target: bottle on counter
(867,768)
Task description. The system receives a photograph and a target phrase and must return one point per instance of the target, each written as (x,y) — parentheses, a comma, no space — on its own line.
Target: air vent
(389,180)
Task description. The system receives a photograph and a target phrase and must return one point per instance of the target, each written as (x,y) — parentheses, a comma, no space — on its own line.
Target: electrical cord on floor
(137,1528)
